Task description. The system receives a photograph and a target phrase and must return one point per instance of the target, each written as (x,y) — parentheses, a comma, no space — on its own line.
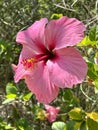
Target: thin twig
(86,9)
(94,20)
(86,94)
(89,20)
(62,114)
(64,3)
(96,7)
(6,23)
(57,5)
(74,3)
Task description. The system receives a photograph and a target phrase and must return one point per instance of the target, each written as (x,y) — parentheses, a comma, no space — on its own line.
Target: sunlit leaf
(96,59)
(21,128)
(27,96)
(76,114)
(11,96)
(8,100)
(96,67)
(40,114)
(8,127)
(56,16)
(93,115)
(96,83)
(59,126)
(86,41)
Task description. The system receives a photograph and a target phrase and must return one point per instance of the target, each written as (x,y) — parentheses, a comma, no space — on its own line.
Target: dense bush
(19,109)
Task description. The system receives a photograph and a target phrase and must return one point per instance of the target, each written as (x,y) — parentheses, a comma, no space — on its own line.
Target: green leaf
(11,96)
(96,60)
(76,114)
(59,126)
(93,34)
(8,127)
(68,95)
(86,41)
(83,126)
(22,124)
(8,100)
(70,125)
(21,128)
(91,124)
(27,96)
(96,55)
(11,89)
(93,115)
(2,48)
(96,67)
(91,71)
(96,83)
(56,16)
(77,125)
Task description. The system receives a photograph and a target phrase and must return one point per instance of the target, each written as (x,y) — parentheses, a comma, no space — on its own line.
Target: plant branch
(74,3)
(86,9)
(86,94)
(57,5)
(64,3)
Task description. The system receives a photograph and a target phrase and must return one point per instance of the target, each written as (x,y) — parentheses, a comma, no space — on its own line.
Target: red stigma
(28,63)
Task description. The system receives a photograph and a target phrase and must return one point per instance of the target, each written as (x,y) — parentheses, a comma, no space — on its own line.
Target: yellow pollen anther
(29,63)
(31,60)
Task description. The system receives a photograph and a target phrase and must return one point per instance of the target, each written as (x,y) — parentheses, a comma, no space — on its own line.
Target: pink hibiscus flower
(52,112)
(48,61)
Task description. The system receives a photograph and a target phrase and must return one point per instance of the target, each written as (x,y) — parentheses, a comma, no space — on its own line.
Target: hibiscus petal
(64,32)
(52,112)
(20,71)
(34,35)
(39,83)
(68,68)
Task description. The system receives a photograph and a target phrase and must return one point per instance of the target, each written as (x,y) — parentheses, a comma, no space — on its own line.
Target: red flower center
(31,62)
(28,63)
